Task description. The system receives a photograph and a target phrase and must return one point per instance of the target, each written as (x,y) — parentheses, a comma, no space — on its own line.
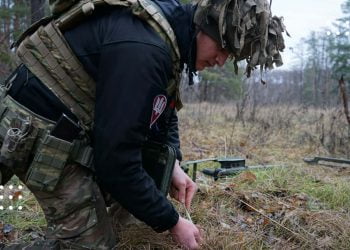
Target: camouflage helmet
(245,28)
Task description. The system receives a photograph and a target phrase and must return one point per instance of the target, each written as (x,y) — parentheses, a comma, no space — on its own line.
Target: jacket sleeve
(130,75)
(173,135)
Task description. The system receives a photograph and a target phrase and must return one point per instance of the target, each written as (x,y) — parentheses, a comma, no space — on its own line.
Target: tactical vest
(46,53)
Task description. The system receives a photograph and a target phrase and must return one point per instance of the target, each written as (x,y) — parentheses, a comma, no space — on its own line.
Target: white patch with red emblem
(159,104)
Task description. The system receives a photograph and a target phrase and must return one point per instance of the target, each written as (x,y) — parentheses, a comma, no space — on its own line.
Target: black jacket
(131,65)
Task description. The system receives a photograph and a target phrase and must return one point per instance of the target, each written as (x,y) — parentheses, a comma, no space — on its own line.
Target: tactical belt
(79,150)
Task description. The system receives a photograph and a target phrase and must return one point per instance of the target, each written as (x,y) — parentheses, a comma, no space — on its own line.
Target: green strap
(82,153)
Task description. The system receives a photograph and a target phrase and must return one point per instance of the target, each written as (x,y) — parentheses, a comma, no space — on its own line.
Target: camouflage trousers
(76,214)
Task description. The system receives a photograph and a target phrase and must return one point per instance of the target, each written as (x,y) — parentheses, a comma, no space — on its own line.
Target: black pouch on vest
(158,160)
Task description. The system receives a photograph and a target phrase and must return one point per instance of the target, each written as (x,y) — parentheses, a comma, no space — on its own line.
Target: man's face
(209,52)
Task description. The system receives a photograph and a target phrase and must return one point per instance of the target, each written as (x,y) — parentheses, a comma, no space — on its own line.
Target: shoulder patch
(159,104)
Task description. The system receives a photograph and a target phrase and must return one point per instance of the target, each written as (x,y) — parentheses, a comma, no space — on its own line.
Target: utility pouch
(158,160)
(49,160)
(18,134)
(14,142)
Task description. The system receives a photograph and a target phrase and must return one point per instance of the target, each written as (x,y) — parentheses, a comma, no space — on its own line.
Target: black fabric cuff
(178,154)
(170,223)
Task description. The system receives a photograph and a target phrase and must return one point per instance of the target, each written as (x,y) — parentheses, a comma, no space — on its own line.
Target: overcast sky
(303,16)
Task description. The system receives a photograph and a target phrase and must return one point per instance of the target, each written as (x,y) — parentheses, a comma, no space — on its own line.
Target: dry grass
(293,207)
(296,207)
(211,130)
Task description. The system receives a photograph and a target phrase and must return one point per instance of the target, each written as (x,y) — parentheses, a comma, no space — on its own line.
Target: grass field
(291,206)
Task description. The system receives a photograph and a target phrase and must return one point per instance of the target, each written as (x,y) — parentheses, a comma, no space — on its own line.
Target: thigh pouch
(31,152)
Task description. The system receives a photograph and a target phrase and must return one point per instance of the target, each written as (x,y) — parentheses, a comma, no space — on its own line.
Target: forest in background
(15,17)
(322,59)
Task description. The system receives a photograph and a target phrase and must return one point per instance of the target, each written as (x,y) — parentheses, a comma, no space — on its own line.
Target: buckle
(88,8)
(82,154)
(8,83)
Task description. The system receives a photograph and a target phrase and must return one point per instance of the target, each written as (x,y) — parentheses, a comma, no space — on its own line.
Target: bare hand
(182,187)
(186,234)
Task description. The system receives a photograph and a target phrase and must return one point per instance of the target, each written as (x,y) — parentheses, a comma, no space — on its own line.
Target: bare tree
(345,100)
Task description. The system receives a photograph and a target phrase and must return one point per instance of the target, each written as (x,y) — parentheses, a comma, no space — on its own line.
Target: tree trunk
(344,97)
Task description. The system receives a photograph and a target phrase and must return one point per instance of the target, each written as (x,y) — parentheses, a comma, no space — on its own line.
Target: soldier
(99,80)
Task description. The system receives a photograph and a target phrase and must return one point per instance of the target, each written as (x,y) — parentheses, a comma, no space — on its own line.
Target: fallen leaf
(16,195)
(224,225)
(244,200)
(12,236)
(231,187)
(266,221)
(272,208)
(249,220)
(1,232)
(298,200)
(247,177)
